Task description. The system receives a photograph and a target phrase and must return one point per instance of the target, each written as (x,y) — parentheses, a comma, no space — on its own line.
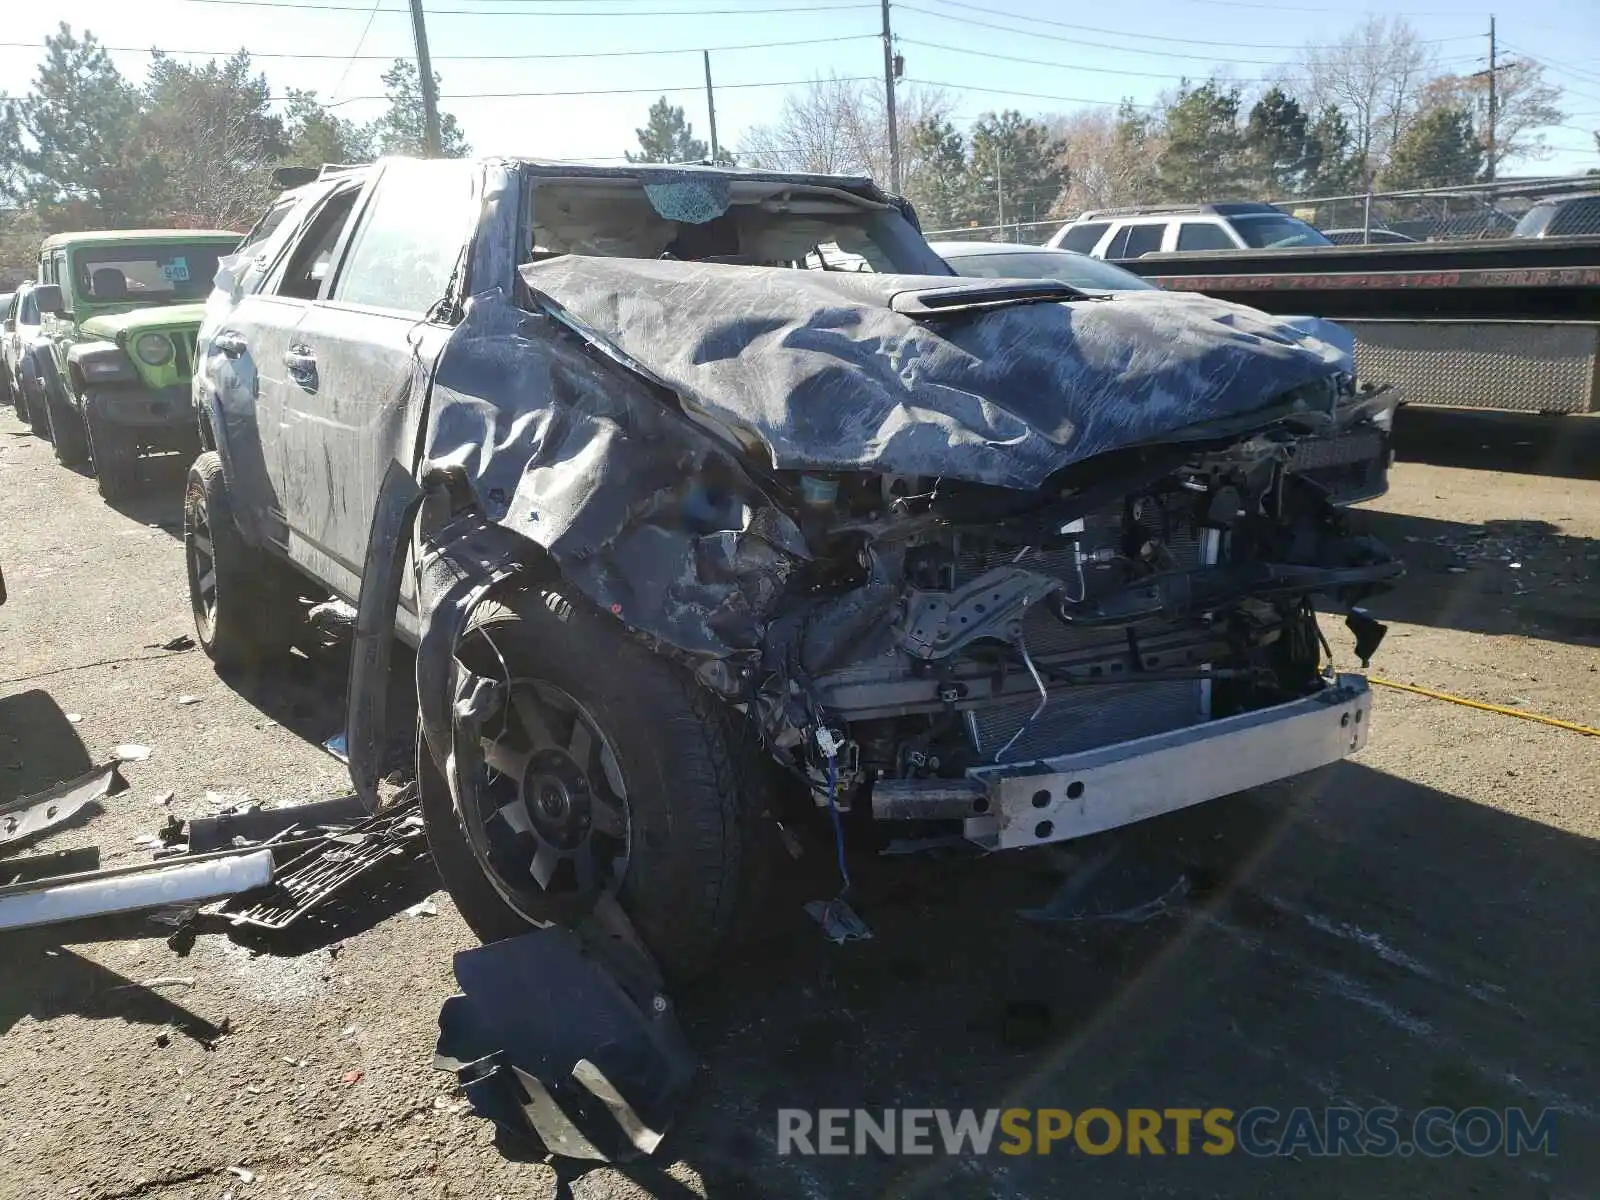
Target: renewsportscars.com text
(1260,1131)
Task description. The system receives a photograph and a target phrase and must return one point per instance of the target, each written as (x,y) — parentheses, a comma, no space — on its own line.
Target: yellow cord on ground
(1503,710)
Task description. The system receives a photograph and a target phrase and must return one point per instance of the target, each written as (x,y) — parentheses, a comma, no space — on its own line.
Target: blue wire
(838,826)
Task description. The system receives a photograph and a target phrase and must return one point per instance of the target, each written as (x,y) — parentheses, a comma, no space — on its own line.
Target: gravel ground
(1412,928)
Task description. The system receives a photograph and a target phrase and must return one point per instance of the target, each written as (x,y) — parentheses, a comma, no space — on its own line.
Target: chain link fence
(1469,212)
(1472,211)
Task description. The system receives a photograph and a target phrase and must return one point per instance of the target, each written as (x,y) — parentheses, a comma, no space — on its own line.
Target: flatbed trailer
(1505,324)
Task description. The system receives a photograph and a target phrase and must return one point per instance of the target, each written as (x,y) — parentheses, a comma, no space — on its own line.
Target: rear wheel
(66,422)
(38,410)
(115,450)
(243,601)
(607,770)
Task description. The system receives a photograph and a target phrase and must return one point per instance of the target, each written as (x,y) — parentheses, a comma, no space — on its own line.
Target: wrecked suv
(657,499)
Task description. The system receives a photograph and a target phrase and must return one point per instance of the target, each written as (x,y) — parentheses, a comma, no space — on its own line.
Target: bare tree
(1525,105)
(839,126)
(1111,156)
(1375,76)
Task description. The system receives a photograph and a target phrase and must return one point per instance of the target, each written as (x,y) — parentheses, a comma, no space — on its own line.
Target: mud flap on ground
(545,1040)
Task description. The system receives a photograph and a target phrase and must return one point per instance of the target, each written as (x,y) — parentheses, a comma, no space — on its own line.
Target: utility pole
(711,108)
(1493,102)
(431,147)
(888,92)
(999,193)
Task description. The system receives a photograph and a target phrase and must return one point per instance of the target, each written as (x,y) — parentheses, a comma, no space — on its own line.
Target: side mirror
(48,297)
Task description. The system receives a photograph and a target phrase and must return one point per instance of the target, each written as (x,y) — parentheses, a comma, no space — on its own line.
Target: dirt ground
(1414,927)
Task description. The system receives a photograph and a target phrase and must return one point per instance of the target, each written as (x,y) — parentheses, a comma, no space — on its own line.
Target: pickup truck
(685,526)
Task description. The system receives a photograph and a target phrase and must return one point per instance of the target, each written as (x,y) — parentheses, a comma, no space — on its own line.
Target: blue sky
(1081,53)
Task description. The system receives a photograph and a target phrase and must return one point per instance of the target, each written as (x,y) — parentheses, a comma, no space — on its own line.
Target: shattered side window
(410,239)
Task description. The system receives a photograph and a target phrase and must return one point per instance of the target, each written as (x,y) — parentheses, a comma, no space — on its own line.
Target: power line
(854,37)
(356,53)
(636,91)
(1070,41)
(1041,62)
(1152,37)
(478,12)
(967,87)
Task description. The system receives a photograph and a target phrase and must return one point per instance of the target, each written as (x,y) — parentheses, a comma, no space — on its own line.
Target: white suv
(1134,232)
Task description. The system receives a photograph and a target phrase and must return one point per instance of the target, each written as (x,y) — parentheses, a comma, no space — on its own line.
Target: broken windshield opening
(715,220)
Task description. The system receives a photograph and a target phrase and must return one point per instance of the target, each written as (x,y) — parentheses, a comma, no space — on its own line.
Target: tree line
(189,146)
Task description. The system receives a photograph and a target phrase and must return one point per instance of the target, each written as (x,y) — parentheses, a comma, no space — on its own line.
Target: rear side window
(312,259)
(1143,239)
(1201,235)
(1083,238)
(1118,246)
(1578,216)
(410,239)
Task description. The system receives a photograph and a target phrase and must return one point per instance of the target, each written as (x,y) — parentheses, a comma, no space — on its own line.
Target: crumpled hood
(818,371)
(116,325)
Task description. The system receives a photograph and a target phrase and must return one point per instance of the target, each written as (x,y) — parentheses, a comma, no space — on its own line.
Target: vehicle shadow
(1526,443)
(1521,577)
(157,496)
(38,745)
(1367,940)
(59,982)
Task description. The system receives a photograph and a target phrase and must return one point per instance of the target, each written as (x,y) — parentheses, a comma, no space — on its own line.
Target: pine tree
(402,129)
(1016,165)
(1203,157)
(938,182)
(667,137)
(73,146)
(1439,149)
(1281,155)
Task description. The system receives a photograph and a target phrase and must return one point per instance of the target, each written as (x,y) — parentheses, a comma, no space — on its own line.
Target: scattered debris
(1456,570)
(425,908)
(839,921)
(244,1174)
(165,798)
(188,699)
(33,867)
(338,746)
(73,717)
(132,889)
(333,862)
(545,1038)
(130,752)
(213,833)
(163,1038)
(352,1077)
(182,642)
(27,817)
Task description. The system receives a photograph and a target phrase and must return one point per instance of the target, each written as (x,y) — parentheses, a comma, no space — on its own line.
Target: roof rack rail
(298,176)
(1219,208)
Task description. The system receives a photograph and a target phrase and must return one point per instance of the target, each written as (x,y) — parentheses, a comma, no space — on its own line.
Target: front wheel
(115,451)
(607,769)
(243,604)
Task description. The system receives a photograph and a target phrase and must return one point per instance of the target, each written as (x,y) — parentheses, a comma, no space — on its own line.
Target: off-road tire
(115,451)
(250,615)
(701,842)
(38,412)
(67,433)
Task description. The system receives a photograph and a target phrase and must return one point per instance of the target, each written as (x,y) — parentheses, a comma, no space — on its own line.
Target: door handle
(230,343)
(302,366)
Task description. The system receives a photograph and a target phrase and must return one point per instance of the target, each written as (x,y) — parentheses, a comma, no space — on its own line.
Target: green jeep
(121,309)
